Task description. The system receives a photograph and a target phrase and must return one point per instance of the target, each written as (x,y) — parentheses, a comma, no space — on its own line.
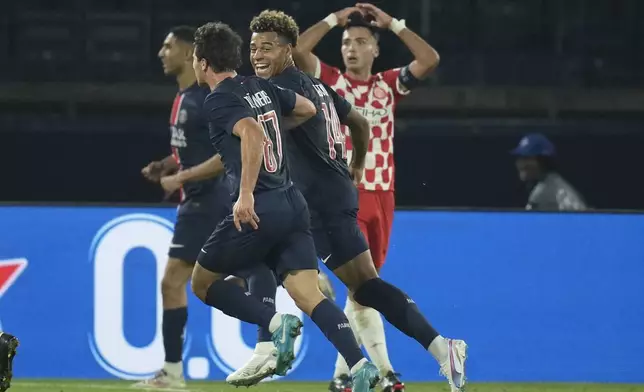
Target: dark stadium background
(84,104)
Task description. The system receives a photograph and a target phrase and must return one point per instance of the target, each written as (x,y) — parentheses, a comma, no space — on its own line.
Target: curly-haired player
(317,155)
(375,96)
(270,223)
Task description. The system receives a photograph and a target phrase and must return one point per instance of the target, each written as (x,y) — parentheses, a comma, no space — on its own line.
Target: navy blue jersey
(316,147)
(190,144)
(235,99)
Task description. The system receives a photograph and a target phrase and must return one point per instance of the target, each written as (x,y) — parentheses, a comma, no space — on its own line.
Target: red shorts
(375,217)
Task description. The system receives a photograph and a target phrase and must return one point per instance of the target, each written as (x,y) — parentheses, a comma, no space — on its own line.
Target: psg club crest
(183,116)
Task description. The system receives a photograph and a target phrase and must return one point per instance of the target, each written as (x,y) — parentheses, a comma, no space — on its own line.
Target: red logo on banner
(9,272)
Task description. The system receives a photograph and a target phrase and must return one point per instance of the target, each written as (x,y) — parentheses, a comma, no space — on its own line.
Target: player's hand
(343,15)
(244,211)
(153,171)
(381,18)
(356,174)
(171,183)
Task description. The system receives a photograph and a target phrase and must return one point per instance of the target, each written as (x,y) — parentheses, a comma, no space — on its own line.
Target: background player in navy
(319,170)
(257,170)
(203,203)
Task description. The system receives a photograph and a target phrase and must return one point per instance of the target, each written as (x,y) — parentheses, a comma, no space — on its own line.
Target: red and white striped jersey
(376,99)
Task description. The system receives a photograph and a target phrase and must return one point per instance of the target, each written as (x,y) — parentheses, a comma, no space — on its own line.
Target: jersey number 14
(334,132)
(272,151)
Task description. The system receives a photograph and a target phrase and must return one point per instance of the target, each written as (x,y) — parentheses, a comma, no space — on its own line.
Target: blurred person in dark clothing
(549,191)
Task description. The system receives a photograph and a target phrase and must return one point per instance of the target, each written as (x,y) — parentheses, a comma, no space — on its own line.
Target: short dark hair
(184,33)
(219,45)
(269,21)
(357,19)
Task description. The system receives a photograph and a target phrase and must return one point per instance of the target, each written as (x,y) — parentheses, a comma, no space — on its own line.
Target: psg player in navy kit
(318,160)
(270,220)
(203,203)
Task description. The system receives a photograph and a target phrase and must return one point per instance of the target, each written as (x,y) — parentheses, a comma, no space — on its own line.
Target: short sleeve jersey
(235,99)
(190,144)
(376,99)
(317,147)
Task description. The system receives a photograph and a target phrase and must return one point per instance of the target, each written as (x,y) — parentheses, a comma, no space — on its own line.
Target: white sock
(264,348)
(276,321)
(372,333)
(174,369)
(341,366)
(439,349)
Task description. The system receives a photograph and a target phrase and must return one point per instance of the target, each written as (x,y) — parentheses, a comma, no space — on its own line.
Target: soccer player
(203,203)
(270,222)
(317,155)
(8,346)
(375,96)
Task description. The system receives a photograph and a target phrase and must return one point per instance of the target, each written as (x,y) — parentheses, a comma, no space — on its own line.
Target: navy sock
(334,324)
(235,302)
(262,285)
(174,322)
(400,310)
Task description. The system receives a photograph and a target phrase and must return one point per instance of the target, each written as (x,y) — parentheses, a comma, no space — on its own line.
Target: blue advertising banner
(538,297)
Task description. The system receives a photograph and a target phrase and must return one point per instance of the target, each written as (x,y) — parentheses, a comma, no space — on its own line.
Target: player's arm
(169,165)
(359,130)
(210,168)
(303,51)
(426,58)
(252,141)
(157,169)
(228,112)
(203,171)
(296,109)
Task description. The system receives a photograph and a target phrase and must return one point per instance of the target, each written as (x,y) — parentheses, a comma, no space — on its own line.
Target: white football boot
(454,366)
(162,380)
(260,366)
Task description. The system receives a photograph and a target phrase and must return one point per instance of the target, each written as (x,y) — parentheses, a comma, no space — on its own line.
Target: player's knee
(201,281)
(357,271)
(302,287)
(170,285)
(355,306)
(200,289)
(369,291)
(238,281)
(175,278)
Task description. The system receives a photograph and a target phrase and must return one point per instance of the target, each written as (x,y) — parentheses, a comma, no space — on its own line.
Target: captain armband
(407,79)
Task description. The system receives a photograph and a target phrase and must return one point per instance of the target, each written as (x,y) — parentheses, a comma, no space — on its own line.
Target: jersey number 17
(272,151)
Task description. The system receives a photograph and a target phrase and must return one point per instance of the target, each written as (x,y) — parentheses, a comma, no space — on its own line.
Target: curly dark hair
(219,45)
(270,21)
(357,19)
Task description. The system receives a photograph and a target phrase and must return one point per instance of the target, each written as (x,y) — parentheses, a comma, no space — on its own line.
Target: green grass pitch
(122,386)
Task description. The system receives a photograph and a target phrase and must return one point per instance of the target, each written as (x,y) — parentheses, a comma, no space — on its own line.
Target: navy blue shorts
(196,220)
(283,241)
(334,211)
